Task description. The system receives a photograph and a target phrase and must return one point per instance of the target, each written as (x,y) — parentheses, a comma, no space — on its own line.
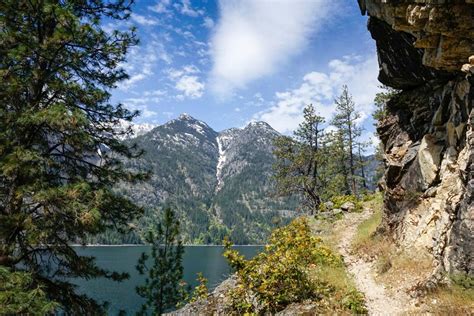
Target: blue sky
(234,61)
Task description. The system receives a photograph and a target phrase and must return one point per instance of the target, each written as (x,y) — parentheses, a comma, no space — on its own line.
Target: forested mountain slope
(220,183)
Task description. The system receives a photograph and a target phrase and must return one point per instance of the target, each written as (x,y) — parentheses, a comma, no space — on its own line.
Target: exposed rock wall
(428,135)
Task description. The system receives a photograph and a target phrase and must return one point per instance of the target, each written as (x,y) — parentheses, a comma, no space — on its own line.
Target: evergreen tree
(18,295)
(345,121)
(380,102)
(335,174)
(298,166)
(361,164)
(380,113)
(164,286)
(380,169)
(59,153)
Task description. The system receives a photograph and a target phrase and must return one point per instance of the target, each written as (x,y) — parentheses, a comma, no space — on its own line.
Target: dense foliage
(58,146)
(18,295)
(164,287)
(282,274)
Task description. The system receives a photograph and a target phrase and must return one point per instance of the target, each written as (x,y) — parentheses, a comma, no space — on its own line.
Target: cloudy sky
(233,61)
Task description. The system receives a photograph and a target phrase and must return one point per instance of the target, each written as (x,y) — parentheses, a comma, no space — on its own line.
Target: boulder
(348,207)
(329,205)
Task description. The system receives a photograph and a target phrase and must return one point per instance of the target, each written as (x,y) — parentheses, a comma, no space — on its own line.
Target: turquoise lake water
(122,296)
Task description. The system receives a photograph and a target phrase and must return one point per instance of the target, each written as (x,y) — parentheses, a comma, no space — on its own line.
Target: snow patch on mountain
(221,160)
(137,129)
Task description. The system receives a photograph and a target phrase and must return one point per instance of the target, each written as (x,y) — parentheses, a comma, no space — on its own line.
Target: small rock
(467,68)
(348,207)
(336,211)
(329,205)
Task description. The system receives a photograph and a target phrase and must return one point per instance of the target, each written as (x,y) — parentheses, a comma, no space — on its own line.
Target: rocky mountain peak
(187,125)
(219,182)
(137,128)
(259,124)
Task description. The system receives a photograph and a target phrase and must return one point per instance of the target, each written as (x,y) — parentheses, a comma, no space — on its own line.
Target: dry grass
(366,242)
(336,276)
(452,300)
(398,268)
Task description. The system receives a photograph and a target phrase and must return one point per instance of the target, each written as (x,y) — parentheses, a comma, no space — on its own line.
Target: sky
(230,62)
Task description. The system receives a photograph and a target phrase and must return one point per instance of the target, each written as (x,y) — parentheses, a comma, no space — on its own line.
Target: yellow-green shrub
(201,291)
(341,199)
(279,275)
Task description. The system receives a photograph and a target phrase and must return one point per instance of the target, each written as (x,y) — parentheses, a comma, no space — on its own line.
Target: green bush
(280,275)
(341,199)
(201,291)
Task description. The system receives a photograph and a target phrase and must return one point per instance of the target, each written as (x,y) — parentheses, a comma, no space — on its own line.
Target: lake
(122,296)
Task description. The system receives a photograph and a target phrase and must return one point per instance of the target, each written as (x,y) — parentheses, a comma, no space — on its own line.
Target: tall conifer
(59,153)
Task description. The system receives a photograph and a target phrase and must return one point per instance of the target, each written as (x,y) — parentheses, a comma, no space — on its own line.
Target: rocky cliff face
(425,49)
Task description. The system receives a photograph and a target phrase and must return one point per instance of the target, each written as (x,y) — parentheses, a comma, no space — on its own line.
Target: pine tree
(298,160)
(59,153)
(18,295)
(380,102)
(380,114)
(164,286)
(361,164)
(345,121)
(335,174)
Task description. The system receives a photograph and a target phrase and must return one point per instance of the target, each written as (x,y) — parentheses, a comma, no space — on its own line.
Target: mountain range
(220,183)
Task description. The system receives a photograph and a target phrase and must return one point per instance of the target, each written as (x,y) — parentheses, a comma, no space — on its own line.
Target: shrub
(201,291)
(280,274)
(341,199)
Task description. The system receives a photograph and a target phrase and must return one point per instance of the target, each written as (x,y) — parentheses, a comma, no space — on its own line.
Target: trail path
(380,301)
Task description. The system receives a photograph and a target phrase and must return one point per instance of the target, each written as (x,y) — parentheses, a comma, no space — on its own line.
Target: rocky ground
(380,301)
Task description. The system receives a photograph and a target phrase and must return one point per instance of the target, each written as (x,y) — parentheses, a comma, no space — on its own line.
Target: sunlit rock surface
(426,50)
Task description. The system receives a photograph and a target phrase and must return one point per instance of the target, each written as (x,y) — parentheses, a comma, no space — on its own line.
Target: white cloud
(143,20)
(160,7)
(253,38)
(190,86)
(141,62)
(155,93)
(187,9)
(187,82)
(142,105)
(256,101)
(320,89)
(208,22)
(175,74)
